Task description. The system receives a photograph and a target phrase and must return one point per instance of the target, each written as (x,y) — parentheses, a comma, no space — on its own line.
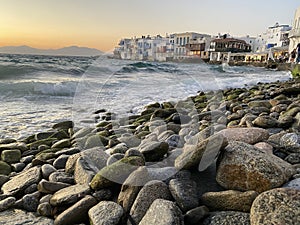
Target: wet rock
(116,172)
(49,187)
(61,177)
(102,195)
(202,154)
(106,212)
(77,213)
(195,215)
(15,145)
(227,218)
(60,162)
(244,167)
(7,203)
(11,156)
(184,191)
(18,167)
(64,125)
(69,195)
(5,168)
(151,191)
(229,200)
(47,170)
(248,135)
(154,151)
(20,182)
(64,143)
(276,206)
(15,216)
(163,212)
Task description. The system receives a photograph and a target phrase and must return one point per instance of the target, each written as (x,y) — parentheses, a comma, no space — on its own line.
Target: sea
(38,91)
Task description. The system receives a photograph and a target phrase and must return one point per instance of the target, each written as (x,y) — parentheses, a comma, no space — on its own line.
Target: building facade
(294,34)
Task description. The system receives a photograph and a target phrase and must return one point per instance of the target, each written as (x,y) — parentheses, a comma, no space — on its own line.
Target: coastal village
(274,45)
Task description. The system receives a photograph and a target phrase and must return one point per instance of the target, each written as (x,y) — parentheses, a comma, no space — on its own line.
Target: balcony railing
(294,33)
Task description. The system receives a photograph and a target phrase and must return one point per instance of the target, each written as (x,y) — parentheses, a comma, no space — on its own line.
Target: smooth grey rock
(18,167)
(27,159)
(19,182)
(130,141)
(151,191)
(77,213)
(47,169)
(276,206)
(32,188)
(60,162)
(105,213)
(227,218)
(162,173)
(49,187)
(154,151)
(69,195)
(20,217)
(7,203)
(114,158)
(64,143)
(85,170)
(195,215)
(46,198)
(163,212)
(185,193)
(67,151)
(61,177)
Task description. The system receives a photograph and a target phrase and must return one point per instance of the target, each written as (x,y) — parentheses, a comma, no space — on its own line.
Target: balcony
(294,33)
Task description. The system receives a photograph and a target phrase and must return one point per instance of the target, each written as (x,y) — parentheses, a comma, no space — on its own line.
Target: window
(188,39)
(177,40)
(184,41)
(180,41)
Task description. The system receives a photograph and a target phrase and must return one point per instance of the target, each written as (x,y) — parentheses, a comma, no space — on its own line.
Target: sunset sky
(101,23)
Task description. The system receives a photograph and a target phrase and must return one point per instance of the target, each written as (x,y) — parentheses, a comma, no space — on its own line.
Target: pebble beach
(228,156)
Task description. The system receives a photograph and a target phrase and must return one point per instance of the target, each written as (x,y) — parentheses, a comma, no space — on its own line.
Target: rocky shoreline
(223,157)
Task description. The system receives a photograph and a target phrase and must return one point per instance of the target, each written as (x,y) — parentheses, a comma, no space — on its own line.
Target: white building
(252,41)
(294,34)
(275,36)
(181,40)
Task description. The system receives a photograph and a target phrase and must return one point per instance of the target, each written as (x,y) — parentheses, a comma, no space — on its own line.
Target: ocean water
(38,91)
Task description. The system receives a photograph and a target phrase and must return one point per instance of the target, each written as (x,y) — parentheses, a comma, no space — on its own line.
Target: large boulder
(202,154)
(244,167)
(163,212)
(276,206)
(154,150)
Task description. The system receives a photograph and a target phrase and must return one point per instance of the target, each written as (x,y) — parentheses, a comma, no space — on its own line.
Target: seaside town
(278,44)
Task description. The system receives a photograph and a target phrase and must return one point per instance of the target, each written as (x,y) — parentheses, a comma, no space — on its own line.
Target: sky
(102,23)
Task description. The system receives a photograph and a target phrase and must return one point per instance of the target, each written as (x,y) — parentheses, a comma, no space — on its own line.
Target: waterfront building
(294,34)
(275,36)
(183,39)
(198,48)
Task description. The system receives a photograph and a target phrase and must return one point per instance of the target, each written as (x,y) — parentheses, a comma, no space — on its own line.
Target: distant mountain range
(67,51)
